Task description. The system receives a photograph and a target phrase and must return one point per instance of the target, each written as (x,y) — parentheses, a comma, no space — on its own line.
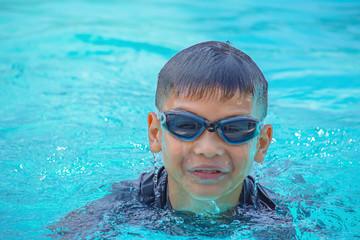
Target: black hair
(205,68)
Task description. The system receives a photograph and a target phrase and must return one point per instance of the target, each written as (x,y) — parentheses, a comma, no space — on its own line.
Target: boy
(211,100)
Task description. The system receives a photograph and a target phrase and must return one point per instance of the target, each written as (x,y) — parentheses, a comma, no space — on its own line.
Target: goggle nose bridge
(210,126)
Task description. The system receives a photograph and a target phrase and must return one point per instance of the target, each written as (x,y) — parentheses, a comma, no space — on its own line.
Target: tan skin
(186,191)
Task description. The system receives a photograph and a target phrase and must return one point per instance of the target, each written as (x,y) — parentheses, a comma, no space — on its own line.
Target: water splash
(258,174)
(157,162)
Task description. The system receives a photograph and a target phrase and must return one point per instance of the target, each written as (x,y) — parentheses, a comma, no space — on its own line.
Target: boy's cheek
(244,156)
(171,146)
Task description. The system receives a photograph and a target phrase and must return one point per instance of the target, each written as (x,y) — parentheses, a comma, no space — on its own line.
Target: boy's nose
(209,144)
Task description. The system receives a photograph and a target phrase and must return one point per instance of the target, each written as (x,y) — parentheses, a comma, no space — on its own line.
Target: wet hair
(201,70)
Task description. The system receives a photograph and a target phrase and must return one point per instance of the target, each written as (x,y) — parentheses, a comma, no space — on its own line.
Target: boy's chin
(214,192)
(210,204)
(205,194)
(203,197)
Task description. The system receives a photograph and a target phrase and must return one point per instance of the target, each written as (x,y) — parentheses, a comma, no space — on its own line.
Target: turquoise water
(77,79)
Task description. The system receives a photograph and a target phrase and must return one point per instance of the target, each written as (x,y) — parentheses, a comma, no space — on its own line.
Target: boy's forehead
(217,96)
(213,104)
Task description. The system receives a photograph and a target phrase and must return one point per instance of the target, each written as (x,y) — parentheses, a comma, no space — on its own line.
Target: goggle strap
(260,126)
(161,116)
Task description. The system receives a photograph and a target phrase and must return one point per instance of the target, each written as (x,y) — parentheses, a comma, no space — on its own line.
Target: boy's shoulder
(133,201)
(150,188)
(254,194)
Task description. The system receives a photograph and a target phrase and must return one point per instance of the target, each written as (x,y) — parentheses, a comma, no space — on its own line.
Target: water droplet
(236,222)
(320,132)
(179,220)
(215,208)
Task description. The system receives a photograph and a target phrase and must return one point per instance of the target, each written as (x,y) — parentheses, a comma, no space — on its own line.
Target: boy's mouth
(208,171)
(212,174)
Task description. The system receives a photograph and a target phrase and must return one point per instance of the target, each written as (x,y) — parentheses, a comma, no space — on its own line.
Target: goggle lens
(182,125)
(187,126)
(239,130)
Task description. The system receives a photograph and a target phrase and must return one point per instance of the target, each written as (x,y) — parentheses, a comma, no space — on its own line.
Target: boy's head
(212,99)
(209,68)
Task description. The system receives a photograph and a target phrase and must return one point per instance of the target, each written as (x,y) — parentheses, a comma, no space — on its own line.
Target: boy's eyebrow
(228,116)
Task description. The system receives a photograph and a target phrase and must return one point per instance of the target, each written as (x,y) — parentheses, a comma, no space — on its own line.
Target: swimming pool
(78,78)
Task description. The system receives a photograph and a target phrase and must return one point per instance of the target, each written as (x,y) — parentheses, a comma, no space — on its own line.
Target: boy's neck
(182,201)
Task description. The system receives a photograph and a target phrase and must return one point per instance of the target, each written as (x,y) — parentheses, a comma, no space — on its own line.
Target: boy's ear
(154,132)
(263,143)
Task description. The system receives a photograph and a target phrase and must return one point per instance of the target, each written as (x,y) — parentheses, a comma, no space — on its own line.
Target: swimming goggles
(187,126)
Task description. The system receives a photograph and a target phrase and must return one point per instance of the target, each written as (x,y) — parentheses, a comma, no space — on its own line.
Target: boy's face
(209,153)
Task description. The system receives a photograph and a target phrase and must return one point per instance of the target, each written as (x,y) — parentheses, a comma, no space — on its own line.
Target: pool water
(77,79)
